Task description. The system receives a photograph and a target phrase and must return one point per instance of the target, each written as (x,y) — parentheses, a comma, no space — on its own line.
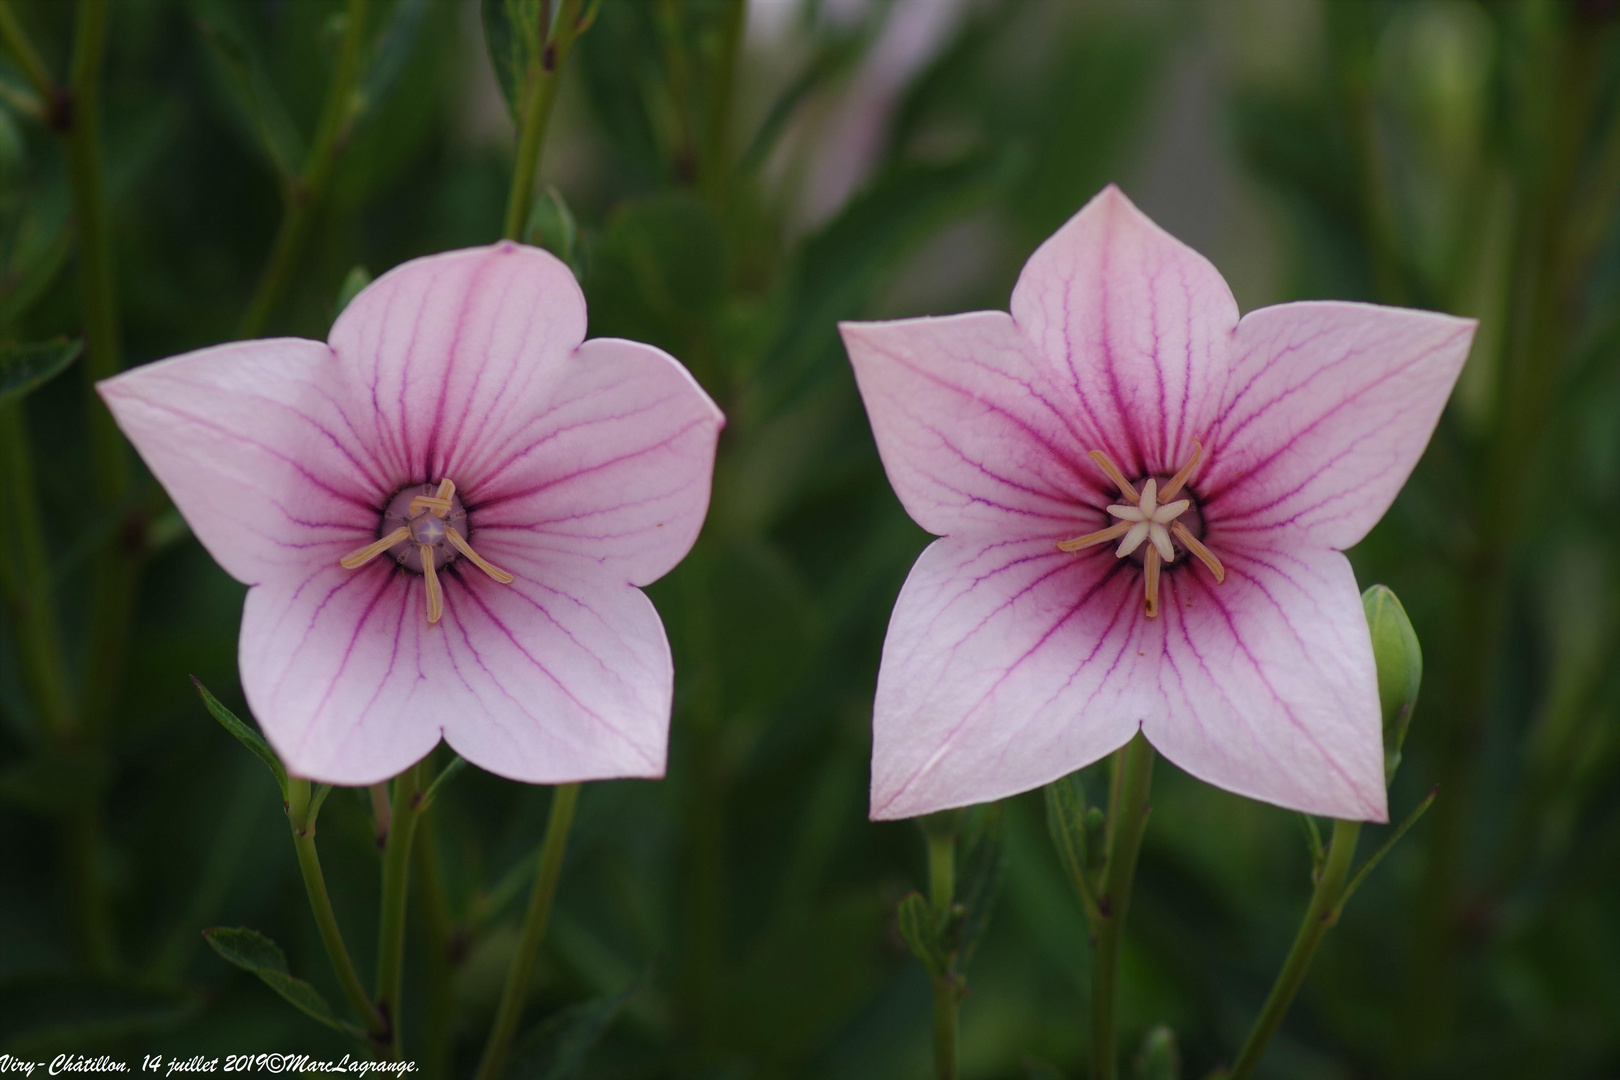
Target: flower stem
(441,932)
(303,192)
(542,92)
(1133,779)
(309,864)
(391,922)
(510,1010)
(942,891)
(26,56)
(1323,913)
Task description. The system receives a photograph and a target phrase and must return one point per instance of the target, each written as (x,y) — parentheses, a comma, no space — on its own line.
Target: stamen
(439,504)
(1106,464)
(354,560)
(1151,565)
(479,561)
(1102,536)
(1206,556)
(1180,478)
(435,598)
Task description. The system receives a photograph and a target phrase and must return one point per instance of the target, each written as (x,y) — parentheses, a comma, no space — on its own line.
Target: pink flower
(443,516)
(1123,399)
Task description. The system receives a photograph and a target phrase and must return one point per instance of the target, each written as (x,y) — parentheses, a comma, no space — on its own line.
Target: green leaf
(256,104)
(984,864)
(1313,841)
(355,280)
(1400,668)
(54,781)
(514,35)
(252,951)
(556,1050)
(457,763)
(394,51)
(1066,822)
(1388,845)
(24,368)
(245,735)
(1160,1057)
(552,226)
(917,927)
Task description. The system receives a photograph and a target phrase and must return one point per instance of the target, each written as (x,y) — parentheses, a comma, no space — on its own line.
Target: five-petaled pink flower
(444,516)
(1232,459)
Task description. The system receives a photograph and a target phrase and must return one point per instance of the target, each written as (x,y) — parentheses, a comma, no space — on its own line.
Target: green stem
(303,193)
(441,931)
(396,872)
(542,92)
(1320,917)
(320,904)
(1133,779)
(22,50)
(510,1010)
(717,146)
(941,893)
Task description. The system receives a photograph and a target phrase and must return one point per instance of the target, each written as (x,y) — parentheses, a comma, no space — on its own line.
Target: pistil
(427,529)
(1149,516)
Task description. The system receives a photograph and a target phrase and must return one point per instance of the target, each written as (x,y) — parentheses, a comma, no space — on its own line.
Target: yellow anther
(435,598)
(1205,556)
(1151,581)
(1106,464)
(477,560)
(1080,543)
(354,560)
(1180,478)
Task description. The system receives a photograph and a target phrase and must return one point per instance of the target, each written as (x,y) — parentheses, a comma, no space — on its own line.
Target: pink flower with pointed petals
(1142,500)
(444,516)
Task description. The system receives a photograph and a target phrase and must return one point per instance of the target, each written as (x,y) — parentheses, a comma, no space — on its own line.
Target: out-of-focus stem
(1320,917)
(536,112)
(396,874)
(941,893)
(303,193)
(510,1010)
(22,50)
(716,147)
(440,961)
(320,904)
(1133,780)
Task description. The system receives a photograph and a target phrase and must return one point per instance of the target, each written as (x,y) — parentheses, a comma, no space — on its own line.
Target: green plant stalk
(717,146)
(396,872)
(26,577)
(510,1010)
(22,50)
(542,92)
(1133,780)
(941,893)
(439,1000)
(320,904)
(303,193)
(1320,917)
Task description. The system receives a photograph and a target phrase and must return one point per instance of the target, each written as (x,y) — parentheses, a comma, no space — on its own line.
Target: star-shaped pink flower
(1142,500)
(444,516)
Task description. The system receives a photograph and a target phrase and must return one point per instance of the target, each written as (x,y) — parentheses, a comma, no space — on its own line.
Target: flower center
(424,537)
(1152,516)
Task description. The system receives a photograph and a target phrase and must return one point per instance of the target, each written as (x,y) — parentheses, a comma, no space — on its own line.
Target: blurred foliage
(1441,153)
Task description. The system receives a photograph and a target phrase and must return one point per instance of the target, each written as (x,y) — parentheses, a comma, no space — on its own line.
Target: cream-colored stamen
(1180,478)
(1106,464)
(440,504)
(1080,543)
(354,560)
(1194,545)
(477,560)
(435,597)
(1151,581)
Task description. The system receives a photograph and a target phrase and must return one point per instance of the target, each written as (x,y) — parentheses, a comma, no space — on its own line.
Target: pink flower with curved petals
(1142,500)
(444,516)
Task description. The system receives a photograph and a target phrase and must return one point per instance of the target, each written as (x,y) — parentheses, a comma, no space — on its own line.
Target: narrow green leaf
(513,33)
(556,1050)
(317,797)
(1388,845)
(1313,841)
(1066,822)
(917,928)
(394,48)
(552,226)
(244,735)
(257,105)
(457,763)
(25,368)
(984,864)
(252,951)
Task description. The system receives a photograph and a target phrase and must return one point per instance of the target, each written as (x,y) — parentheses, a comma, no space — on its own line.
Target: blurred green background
(741,179)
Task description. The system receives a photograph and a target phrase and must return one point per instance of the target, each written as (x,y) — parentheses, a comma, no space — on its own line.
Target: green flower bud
(1400,668)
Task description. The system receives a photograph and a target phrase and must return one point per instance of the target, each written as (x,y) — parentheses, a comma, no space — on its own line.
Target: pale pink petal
(561,676)
(1007,664)
(447,353)
(254,445)
(613,467)
(974,434)
(1137,326)
(1267,683)
(1328,408)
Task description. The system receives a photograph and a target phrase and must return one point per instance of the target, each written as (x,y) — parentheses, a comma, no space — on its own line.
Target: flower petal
(975,436)
(561,676)
(615,466)
(1328,410)
(253,444)
(1007,664)
(1267,682)
(1138,326)
(446,352)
